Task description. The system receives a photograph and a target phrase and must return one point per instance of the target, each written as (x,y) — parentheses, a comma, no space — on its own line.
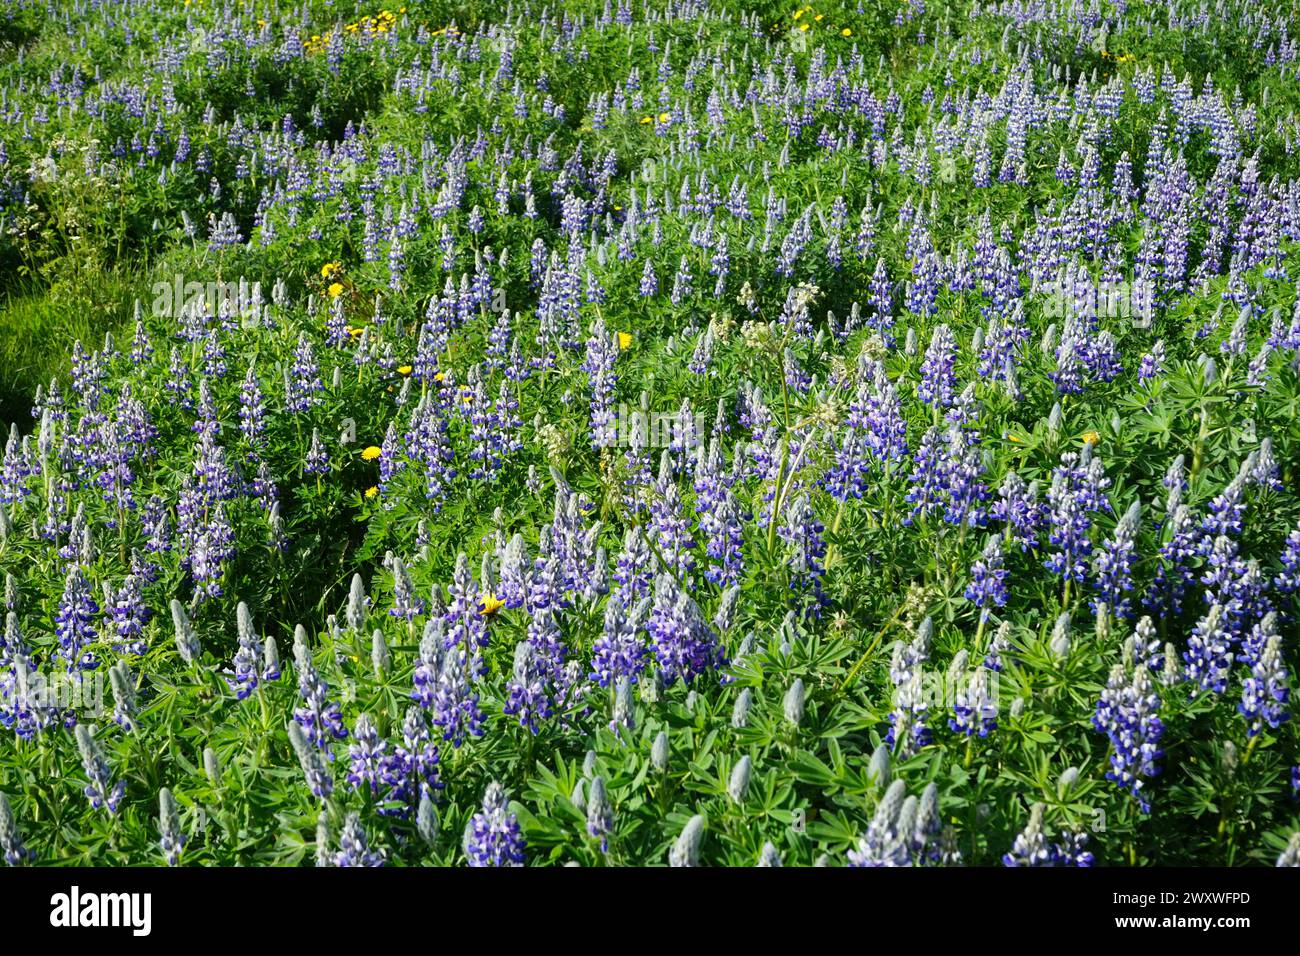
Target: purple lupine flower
(649,281)
(493,836)
(927,477)
(1071,498)
(129,614)
(634,570)
(998,645)
(466,626)
(170,837)
(797,379)
(620,650)
(702,357)
(527,696)
(1032,849)
(411,771)
(354,847)
(907,728)
(1209,651)
(455,703)
(1113,566)
(367,755)
(1128,714)
(302,379)
(1072,850)
(1018,506)
(75,622)
(1153,362)
(879,413)
(252,410)
(317,461)
(318,780)
(602,352)
(1235,584)
(320,719)
(684,644)
(987,586)
(247,666)
(1265,693)
(846,477)
(24,703)
(669,523)
(938,378)
(1226,510)
(100,791)
(802,533)
(885,843)
(725,546)
(946,474)
(1287,582)
(407,605)
(1261,467)
(974,708)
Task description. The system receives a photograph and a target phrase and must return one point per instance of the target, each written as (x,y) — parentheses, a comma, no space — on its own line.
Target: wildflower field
(649,432)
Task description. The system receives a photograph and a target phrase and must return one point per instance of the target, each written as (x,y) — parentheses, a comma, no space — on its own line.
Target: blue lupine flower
(600,815)
(1265,693)
(1209,651)
(1032,849)
(1128,713)
(619,651)
(354,847)
(367,755)
(974,708)
(987,576)
(938,379)
(320,719)
(101,792)
(683,642)
(15,851)
(319,781)
(171,839)
(492,836)
(1113,566)
(75,622)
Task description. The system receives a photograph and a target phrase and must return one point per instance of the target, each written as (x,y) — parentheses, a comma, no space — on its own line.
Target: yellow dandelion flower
(329,268)
(803,26)
(489,604)
(646,120)
(371,453)
(372,491)
(798,13)
(1090,437)
(439,376)
(846,32)
(664,117)
(355,330)
(335,289)
(624,340)
(819,17)
(403,370)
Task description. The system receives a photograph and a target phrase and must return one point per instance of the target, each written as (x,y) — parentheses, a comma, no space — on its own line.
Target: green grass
(39,326)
